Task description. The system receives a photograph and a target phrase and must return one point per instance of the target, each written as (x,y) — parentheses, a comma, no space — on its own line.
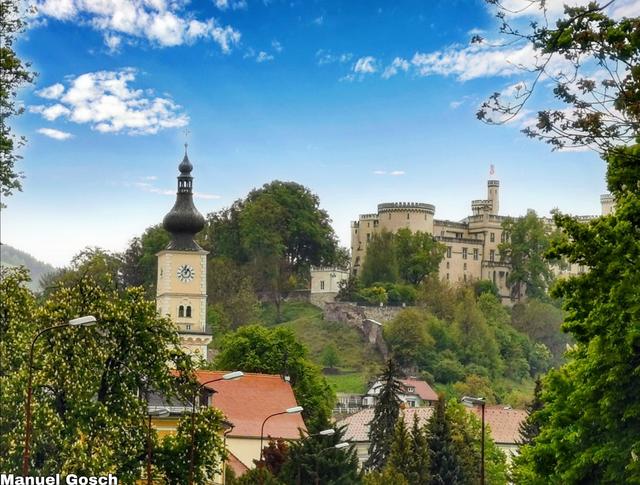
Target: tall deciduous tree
(381,263)
(526,243)
(385,416)
(419,255)
(255,348)
(14,74)
(89,411)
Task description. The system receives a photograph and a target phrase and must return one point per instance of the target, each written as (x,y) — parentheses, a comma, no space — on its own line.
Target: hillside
(10,256)
(358,360)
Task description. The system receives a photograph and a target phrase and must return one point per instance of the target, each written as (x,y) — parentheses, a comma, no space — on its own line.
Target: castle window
(389,215)
(187,326)
(189,311)
(465,266)
(464,276)
(492,256)
(492,237)
(407,215)
(475,254)
(368,224)
(181,311)
(322,285)
(448,251)
(447,264)
(464,254)
(447,276)
(368,237)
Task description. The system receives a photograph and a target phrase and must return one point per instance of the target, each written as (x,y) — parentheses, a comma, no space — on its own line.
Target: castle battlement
(406,206)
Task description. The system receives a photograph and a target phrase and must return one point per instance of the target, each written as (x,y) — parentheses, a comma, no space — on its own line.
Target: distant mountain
(10,256)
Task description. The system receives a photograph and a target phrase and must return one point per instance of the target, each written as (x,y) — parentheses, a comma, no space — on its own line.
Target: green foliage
(401,256)
(445,465)
(381,263)
(385,416)
(256,476)
(89,418)
(386,476)
(527,241)
(407,337)
(418,254)
(15,74)
(172,455)
(481,287)
(409,453)
(313,459)
(255,348)
(139,261)
(530,428)
(275,455)
(374,295)
(330,356)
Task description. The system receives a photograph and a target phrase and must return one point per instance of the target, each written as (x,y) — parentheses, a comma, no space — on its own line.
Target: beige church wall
(168,264)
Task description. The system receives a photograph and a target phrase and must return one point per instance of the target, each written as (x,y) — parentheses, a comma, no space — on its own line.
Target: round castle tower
(416,216)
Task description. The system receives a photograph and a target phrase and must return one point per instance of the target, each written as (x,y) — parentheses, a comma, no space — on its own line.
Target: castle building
(471,245)
(182,269)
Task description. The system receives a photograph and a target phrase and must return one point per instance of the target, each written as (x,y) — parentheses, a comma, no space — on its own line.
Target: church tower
(182,269)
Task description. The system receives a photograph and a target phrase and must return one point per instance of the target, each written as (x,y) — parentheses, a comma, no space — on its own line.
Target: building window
(492,255)
(181,311)
(368,224)
(187,326)
(447,264)
(368,237)
(407,215)
(464,253)
(492,237)
(475,254)
(188,311)
(442,233)
(356,231)
(494,277)
(464,266)
(464,277)
(448,251)
(447,276)
(322,285)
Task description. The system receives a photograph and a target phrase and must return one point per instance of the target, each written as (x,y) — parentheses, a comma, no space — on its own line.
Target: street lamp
(231,376)
(86,321)
(158,413)
(478,401)
(339,446)
(293,410)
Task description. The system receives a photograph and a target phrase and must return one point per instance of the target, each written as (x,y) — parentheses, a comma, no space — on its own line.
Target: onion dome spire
(184,221)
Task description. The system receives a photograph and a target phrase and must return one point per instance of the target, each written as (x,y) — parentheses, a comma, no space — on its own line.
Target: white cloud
(232,4)
(398,64)
(455,104)
(327,57)
(277,46)
(204,196)
(554,9)
(51,92)
(365,65)
(318,20)
(263,57)
(50,113)
(163,23)
(113,42)
(55,134)
(106,101)
(395,173)
(379,172)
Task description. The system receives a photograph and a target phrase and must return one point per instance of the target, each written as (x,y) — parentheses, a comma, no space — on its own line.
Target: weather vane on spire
(187,132)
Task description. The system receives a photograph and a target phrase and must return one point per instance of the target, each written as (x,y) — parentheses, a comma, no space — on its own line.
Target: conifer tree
(444,463)
(419,453)
(530,427)
(385,415)
(400,455)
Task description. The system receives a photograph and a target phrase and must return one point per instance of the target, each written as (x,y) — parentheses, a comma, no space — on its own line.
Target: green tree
(444,463)
(139,260)
(255,348)
(381,263)
(275,455)
(530,427)
(386,476)
(15,74)
(88,414)
(419,255)
(330,357)
(526,243)
(313,459)
(419,452)
(400,453)
(385,416)
(407,337)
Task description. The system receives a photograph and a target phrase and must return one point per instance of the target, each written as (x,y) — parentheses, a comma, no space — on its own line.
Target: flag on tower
(492,169)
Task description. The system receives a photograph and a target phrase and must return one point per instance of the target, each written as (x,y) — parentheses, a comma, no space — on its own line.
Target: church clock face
(186,273)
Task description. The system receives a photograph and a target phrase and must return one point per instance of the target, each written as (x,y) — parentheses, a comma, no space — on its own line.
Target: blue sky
(361,101)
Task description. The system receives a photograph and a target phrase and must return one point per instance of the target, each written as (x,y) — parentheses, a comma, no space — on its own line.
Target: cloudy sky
(361,101)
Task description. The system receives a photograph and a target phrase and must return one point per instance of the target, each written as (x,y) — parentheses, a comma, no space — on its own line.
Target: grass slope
(358,360)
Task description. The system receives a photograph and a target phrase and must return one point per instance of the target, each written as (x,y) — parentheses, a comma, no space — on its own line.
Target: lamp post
(478,401)
(85,321)
(339,446)
(159,413)
(231,376)
(293,410)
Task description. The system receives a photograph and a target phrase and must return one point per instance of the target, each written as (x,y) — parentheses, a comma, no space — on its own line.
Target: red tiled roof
(236,465)
(503,422)
(247,401)
(357,425)
(422,389)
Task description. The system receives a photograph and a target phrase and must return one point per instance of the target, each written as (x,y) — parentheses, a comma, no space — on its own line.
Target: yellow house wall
(245,449)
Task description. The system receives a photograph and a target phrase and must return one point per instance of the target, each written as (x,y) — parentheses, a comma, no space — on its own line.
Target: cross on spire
(187,132)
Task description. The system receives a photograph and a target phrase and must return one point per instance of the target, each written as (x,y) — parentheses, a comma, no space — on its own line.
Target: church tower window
(181,311)
(188,311)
